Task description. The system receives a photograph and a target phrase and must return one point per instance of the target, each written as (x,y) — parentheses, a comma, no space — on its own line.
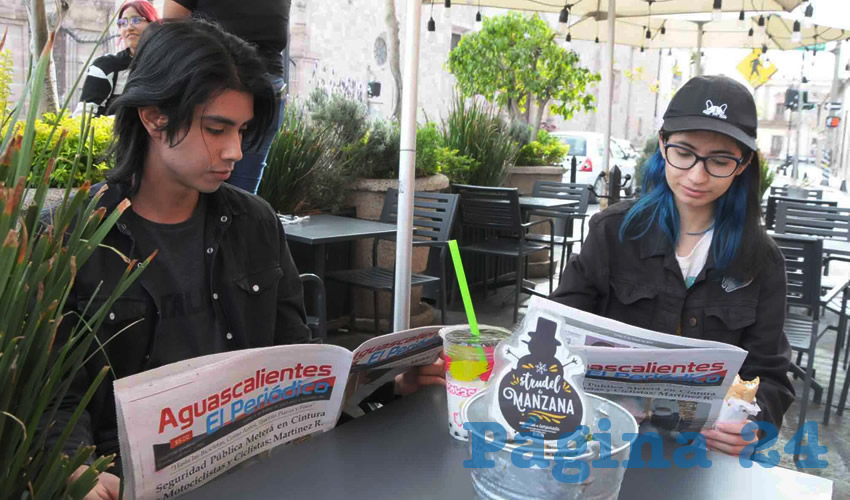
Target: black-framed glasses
(681,157)
(134,20)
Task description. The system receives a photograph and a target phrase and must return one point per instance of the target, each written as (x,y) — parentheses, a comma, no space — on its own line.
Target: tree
(38,20)
(393,46)
(516,62)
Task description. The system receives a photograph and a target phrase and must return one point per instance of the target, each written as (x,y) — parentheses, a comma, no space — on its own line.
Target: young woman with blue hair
(691,256)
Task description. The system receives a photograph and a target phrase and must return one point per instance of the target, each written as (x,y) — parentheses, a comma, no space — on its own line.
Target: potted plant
(38,261)
(540,159)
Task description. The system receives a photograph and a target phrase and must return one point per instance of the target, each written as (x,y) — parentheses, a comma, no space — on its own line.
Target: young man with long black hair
(223,278)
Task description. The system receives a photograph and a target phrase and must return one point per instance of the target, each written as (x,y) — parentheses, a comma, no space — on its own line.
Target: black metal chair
(816,221)
(796,192)
(562,191)
(496,211)
(433,217)
(317,321)
(773,201)
(803,262)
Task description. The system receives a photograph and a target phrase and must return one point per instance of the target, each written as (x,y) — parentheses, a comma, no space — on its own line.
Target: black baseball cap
(717,103)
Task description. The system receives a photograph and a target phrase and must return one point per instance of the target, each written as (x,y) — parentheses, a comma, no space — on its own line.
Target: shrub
(479,133)
(298,150)
(93,148)
(546,150)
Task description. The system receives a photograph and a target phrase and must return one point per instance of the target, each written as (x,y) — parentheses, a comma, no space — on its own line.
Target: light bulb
(564,17)
(742,20)
(432,26)
(478,17)
(807,17)
(716,12)
(796,36)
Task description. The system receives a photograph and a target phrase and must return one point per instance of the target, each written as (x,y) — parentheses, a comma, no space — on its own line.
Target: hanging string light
(716,10)
(648,34)
(432,26)
(807,16)
(448,4)
(742,23)
(478,14)
(564,19)
(796,36)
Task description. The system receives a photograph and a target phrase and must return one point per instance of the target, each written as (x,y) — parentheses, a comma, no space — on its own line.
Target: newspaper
(678,383)
(183,424)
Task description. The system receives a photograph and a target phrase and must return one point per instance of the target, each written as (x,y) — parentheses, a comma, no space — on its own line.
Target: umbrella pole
(609,74)
(407,164)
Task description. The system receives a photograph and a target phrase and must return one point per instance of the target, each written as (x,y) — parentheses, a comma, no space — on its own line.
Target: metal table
(541,203)
(404,451)
(836,248)
(319,230)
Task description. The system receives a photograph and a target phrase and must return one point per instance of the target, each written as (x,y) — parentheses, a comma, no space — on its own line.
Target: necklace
(702,232)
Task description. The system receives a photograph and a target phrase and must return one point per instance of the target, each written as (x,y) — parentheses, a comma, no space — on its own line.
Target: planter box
(523,178)
(367,197)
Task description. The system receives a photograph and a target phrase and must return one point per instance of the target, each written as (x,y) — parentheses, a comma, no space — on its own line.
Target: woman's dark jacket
(639,282)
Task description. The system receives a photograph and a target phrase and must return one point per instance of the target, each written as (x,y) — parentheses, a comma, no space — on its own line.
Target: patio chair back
(564,191)
(433,214)
(811,220)
(493,208)
(773,201)
(792,191)
(803,263)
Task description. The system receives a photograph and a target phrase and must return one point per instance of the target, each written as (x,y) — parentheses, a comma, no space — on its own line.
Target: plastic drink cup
(469,364)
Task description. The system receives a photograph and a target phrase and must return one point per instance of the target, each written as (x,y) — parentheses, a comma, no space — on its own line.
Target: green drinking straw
(464,289)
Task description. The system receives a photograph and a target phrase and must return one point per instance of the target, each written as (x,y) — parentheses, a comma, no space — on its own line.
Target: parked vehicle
(587,148)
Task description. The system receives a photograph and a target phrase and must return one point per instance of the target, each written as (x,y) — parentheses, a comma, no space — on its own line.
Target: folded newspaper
(678,383)
(183,424)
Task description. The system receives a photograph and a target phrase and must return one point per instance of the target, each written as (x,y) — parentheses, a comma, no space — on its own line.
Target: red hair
(144,8)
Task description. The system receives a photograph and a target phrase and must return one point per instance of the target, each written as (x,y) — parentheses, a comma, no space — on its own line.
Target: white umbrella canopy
(676,32)
(596,9)
(632,8)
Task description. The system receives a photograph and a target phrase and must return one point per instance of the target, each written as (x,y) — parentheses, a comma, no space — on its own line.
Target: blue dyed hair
(731,221)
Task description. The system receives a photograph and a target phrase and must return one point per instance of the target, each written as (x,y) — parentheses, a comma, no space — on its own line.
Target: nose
(698,174)
(232,149)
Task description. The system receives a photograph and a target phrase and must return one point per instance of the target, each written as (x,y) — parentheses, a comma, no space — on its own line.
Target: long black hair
(178,66)
(740,240)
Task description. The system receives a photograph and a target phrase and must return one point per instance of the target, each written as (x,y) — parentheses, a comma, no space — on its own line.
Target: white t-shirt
(693,263)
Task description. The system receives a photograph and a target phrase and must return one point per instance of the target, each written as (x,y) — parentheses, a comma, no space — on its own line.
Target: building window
(780,111)
(455,40)
(776,145)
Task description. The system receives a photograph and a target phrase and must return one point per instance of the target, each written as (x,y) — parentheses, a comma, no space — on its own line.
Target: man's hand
(420,376)
(726,437)
(107,486)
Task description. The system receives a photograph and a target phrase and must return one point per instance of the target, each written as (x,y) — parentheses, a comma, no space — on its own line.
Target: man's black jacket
(639,282)
(255,287)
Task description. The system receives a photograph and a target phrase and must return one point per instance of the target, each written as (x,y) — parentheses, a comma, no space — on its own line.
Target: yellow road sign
(754,70)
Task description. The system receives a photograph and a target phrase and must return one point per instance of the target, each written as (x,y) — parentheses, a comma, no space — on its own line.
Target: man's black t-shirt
(187,320)
(260,22)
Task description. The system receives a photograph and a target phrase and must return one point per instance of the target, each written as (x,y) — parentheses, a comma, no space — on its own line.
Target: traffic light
(792,99)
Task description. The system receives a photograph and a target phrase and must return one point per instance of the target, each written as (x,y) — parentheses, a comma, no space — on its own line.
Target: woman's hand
(726,437)
(415,378)
(107,486)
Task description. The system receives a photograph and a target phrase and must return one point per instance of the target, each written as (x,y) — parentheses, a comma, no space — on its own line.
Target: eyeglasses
(716,165)
(134,20)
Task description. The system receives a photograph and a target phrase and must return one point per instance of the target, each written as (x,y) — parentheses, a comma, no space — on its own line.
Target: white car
(587,148)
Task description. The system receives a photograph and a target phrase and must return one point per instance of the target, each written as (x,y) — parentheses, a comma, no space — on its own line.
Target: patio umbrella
(407,157)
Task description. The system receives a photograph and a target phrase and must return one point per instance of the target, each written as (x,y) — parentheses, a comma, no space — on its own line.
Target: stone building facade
(343,43)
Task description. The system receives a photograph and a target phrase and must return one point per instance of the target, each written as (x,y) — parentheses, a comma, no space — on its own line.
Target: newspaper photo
(678,383)
(183,424)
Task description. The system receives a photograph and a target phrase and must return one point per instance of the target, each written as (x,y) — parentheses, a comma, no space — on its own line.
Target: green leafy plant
(479,133)
(92,142)
(517,62)
(7,75)
(455,166)
(546,150)
(38,261)
(298,151)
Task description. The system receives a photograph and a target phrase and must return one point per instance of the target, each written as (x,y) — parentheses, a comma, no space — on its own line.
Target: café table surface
(538,202)
(404,451)
(324,228)
(836,247)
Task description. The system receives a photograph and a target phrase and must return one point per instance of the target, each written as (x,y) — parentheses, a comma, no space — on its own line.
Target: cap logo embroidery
(712,110)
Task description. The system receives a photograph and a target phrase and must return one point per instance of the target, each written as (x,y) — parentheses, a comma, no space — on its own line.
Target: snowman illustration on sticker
(541,392)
